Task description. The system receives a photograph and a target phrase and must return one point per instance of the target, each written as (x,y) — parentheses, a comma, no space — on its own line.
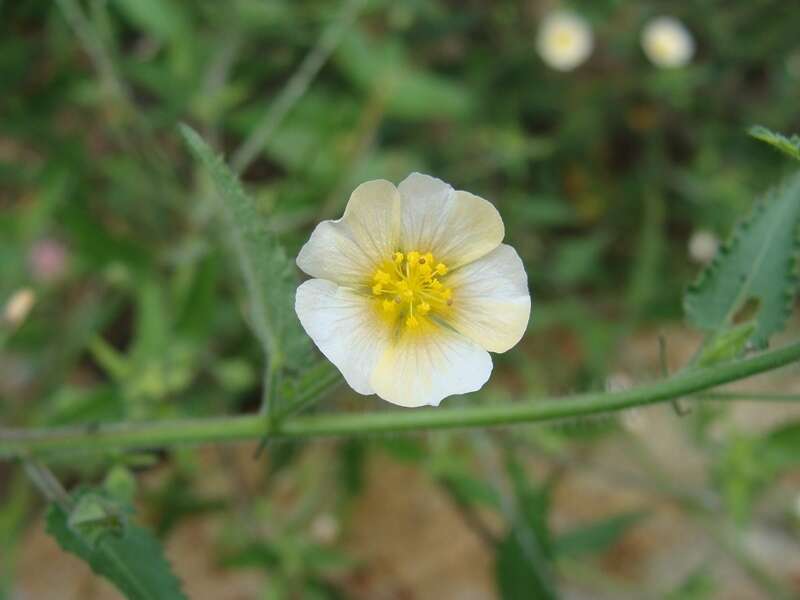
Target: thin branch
(47,484)
(128,436)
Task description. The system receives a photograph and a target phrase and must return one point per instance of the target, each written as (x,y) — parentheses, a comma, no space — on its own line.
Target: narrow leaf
(268,273)
(133,561)
(518,577)
(756,267)
(597,536)
(789,146)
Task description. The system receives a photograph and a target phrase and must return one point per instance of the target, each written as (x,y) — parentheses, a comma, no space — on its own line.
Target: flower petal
(425,367)
(458,227)
(491,301)
(348,250)
(345,327)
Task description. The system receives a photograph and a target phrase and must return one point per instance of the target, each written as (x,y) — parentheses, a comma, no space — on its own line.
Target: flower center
(408,287)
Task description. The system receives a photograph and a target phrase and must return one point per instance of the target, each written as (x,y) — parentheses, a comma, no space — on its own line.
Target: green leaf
(780,448)
(727,344)
(522,563)
(790,146)
(470,490)
(699,585)
(120,484)
(310,386)
(756,267)
(268,273)
(163,19)
(518,577)
(94,517)
(384,68)
(597,536)
(134,562)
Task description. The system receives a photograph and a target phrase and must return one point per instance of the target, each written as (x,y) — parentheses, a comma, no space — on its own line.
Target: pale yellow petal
(491,300)
(345,327)
(457,227)
(422,369)
(347,250)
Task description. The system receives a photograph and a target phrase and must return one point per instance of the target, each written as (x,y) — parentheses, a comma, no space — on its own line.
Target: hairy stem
(129,436)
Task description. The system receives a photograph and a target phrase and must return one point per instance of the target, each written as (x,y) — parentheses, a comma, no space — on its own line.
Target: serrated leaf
(268,273)
(789,146)
(757,265)
(134,563)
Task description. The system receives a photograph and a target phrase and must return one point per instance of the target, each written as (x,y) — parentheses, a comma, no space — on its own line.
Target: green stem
(129,436)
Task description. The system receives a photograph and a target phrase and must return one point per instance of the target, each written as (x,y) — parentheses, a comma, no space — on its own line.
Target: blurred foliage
(601,174)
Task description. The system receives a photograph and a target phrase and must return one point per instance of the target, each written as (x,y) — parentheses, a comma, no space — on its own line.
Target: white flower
(412,287)
(565,40)
(18,306)
(325,528)
(703,246)
(667,42)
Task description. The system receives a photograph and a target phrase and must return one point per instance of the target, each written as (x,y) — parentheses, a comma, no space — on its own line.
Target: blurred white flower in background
(325,528)
(18,306)
(667,42)
(565,40)
(703,246)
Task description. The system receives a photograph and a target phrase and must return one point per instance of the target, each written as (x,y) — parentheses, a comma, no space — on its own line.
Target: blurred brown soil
(411,543)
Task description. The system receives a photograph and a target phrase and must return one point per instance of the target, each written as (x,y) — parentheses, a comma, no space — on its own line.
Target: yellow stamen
(415,292)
